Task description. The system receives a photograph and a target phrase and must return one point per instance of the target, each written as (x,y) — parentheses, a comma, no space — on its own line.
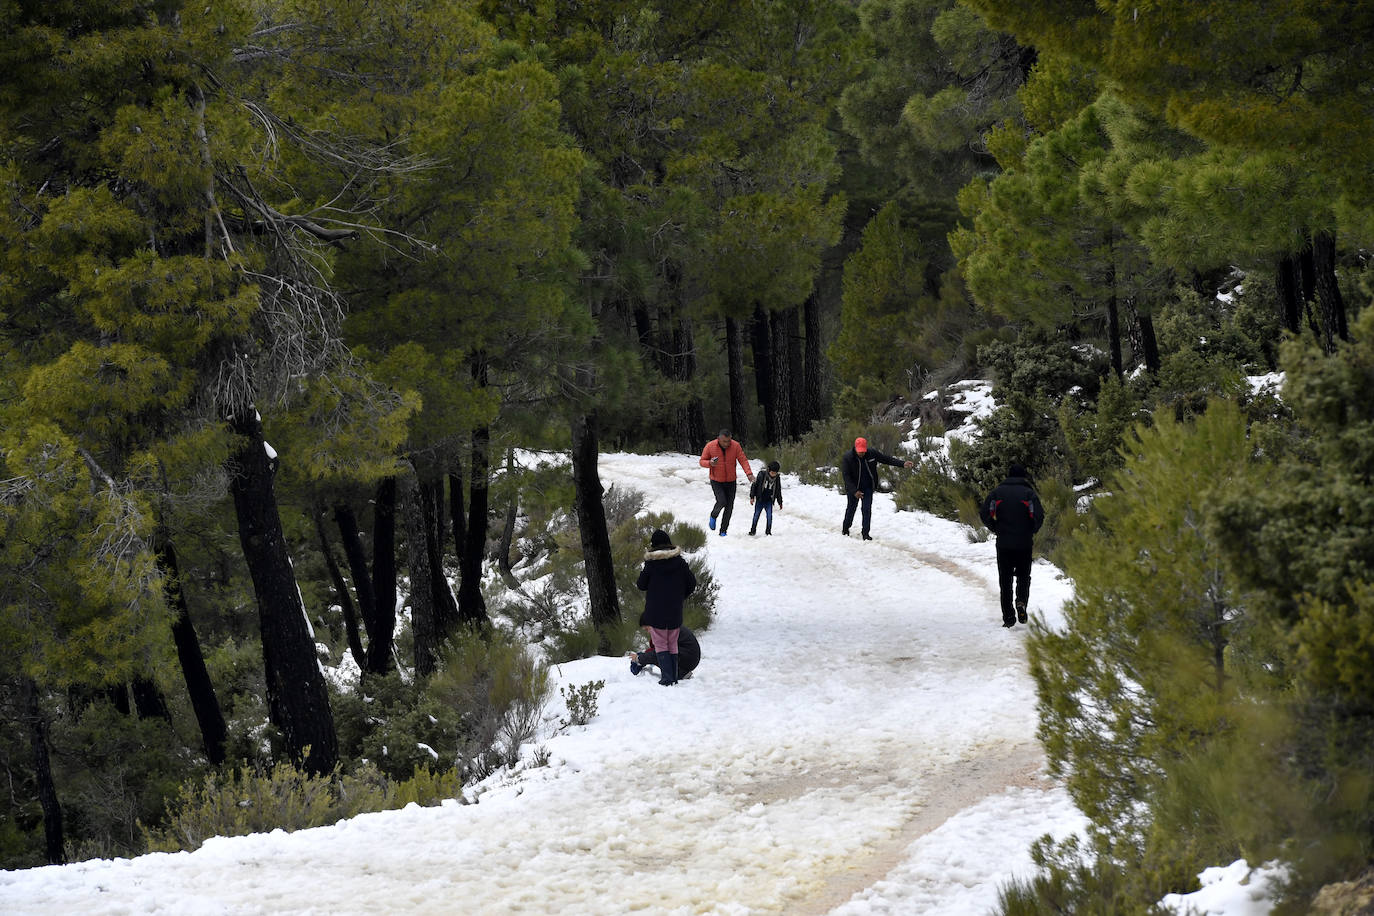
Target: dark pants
(1013,563)
(725,499)
(762,507)
(853,504)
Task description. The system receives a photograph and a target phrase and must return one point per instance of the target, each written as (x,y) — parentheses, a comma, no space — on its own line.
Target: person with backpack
(666,581)
(1013,513)
(859,468)
(767,489)
(720,456)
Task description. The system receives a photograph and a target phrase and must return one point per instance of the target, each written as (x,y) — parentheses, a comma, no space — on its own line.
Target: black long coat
(666,581)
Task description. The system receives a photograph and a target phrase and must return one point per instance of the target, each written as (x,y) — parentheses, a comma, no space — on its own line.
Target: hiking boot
(867,537)
(1020,612)
(722,532)
(1008,623)
(711,523)
(753,531)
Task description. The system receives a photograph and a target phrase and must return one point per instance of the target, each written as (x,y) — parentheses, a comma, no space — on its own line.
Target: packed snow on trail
(859,738)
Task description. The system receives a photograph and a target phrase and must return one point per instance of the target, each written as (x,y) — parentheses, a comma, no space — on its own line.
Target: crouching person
(666,581)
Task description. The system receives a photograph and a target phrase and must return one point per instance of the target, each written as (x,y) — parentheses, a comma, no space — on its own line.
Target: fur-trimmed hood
(666,553)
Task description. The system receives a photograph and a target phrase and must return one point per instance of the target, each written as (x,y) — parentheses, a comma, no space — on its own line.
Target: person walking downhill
(1013,513)
(721,455)
(666,581)
(859,468)
(767,489)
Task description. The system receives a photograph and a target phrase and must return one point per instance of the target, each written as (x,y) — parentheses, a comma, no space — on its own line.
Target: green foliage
(581,700)
(1094,436)
(247,800)
(1138,694)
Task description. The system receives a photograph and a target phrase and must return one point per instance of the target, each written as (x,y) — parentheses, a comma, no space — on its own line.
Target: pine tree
(1142,679)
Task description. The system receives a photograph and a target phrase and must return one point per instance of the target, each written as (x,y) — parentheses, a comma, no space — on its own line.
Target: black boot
(667,663)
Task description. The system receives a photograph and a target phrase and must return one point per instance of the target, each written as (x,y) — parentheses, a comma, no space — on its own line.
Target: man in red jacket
(720,456)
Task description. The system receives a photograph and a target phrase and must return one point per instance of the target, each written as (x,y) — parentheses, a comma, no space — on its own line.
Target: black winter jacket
(767,487)
(1013,513)
(666,581)
(861,473)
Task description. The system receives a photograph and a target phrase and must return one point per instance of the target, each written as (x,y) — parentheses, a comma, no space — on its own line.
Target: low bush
(248,800)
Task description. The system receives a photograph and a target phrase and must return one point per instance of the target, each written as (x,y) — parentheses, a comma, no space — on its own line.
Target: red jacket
(724,469)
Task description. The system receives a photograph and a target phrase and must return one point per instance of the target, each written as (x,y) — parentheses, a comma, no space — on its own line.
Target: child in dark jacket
(666,581)
(766,490)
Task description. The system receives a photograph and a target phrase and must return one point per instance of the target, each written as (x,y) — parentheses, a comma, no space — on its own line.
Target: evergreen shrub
(246,800)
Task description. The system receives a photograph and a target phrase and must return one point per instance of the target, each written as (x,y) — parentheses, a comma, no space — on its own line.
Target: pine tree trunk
(297,698)
(762,339)
(791,328)
(148,700)
(382,641)
(1114,335)
(424,626)
(691,417)
(813,386)
(782,377)
(1329,299)
(603,599)
(204,703)
(456,516)
(1290,304)
(1149,343)
(508,528)
(1307,273)
(350,613)
(445,604)
(472,607)
(734,350)
(53,837)
(356,556)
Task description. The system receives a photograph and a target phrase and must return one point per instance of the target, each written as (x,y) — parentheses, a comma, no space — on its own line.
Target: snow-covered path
(859,738)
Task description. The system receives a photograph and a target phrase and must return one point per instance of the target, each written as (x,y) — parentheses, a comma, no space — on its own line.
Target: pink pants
(664,640)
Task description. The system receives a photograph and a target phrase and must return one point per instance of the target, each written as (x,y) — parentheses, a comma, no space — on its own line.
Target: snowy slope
(859,738)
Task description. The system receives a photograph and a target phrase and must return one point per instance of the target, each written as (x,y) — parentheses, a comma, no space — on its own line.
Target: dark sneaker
(844,531)
(868,537)
(752,532)
(711,523)
(1020,612)
(1008,623)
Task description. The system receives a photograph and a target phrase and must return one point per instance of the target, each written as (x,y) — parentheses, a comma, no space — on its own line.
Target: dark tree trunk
(456,516)
(782,377)
(603,599)
(424,625)
(508,528)
(796,394)
(445,605)
(356,556)
(148,700)
(350,613)
(1149,343)
(472,607)
(813,386)
(1307,273)
(1132,330)
(381,641)
(734,351)
(1329,300)
(297,698)
(1288,285)
(204,703)
(1114,335)
(762,339)
(53,838)
(691,417)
